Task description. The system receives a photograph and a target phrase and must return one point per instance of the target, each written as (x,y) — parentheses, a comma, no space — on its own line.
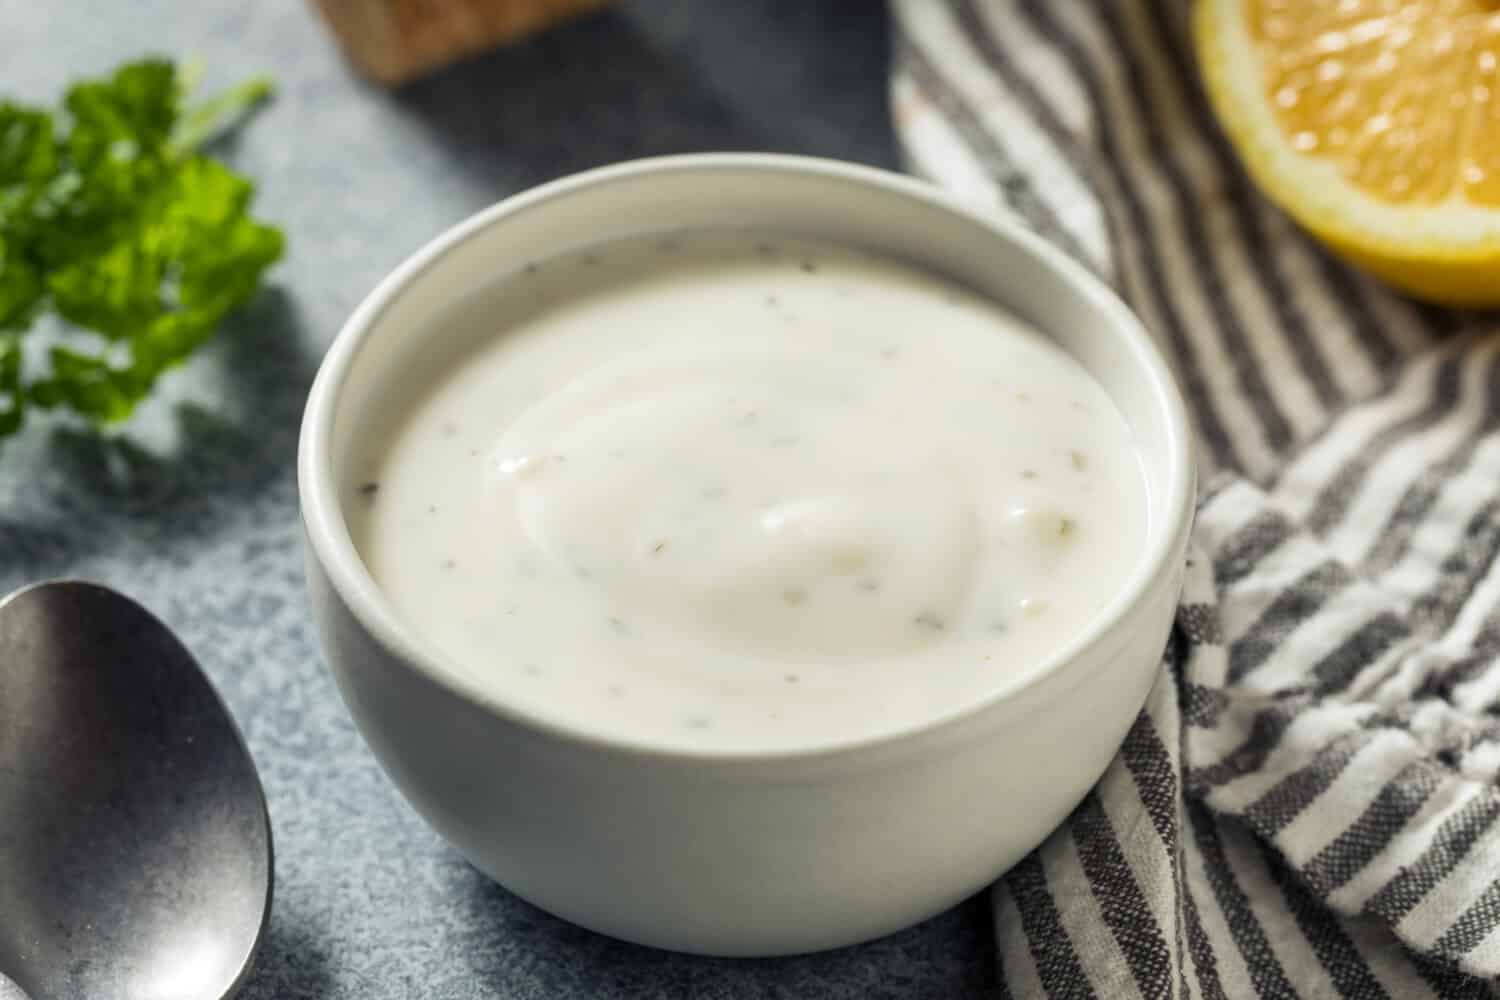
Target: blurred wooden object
(395,40)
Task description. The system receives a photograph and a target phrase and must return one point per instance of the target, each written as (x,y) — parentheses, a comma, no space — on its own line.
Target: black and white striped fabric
(1310,803)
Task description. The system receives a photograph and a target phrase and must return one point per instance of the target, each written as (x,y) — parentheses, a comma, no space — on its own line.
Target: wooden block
(395,40)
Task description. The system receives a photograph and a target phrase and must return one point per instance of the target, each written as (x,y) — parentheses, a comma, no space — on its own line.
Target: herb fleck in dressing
(780,526)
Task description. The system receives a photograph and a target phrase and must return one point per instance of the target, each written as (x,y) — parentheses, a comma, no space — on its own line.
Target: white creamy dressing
(740,490)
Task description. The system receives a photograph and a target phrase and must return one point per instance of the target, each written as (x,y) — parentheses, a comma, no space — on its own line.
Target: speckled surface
(192,509)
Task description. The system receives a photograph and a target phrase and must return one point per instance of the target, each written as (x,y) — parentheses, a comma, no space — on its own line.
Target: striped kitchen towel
(1308,805)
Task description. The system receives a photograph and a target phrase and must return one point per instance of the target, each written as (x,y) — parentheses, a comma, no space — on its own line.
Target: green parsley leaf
(112,220)
(10,383)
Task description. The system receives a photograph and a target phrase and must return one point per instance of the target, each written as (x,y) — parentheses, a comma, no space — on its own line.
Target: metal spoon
(135,847)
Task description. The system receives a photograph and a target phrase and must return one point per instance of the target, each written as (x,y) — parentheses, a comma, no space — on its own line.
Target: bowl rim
(330,542)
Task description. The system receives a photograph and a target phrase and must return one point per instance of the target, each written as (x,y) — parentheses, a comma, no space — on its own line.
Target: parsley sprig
(112,219)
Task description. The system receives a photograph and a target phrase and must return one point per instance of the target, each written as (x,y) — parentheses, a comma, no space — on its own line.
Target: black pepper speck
(929,621)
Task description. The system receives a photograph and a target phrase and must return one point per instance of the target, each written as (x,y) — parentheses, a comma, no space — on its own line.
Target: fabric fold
(1283,831)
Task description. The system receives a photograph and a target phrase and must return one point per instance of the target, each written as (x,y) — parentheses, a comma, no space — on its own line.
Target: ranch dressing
(739,490)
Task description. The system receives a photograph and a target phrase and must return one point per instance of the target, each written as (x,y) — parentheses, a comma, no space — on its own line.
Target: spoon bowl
(135,846)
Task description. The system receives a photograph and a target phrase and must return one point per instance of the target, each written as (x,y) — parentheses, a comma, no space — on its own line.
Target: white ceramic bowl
(738,853)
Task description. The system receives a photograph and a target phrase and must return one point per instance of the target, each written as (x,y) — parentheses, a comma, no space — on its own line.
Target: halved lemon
(1373,123)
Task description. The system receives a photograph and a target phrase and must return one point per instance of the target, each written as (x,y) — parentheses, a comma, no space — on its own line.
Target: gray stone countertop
(192,508)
